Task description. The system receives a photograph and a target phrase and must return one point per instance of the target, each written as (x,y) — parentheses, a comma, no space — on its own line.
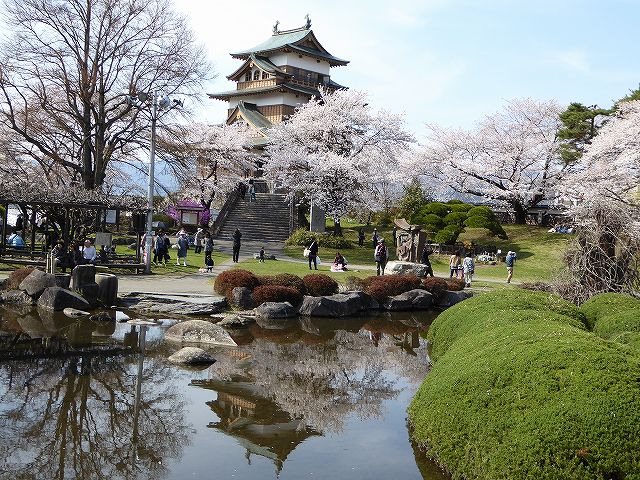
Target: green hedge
(614,317)
(520,392)
(303,238)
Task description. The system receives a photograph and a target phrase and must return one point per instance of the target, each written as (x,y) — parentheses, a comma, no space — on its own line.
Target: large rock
(236,321)
(177,305)
(107,288)
(37,282)
(191,356)
(199,331)
(57,298)
(367,302)
(412,300)
(241,298)
(406,268)
(17,297)
(449,298)
(338,305)
(275,310)
(82,275)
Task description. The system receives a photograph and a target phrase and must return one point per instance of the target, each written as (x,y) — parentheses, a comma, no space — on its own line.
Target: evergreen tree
(580,125)
(413,199)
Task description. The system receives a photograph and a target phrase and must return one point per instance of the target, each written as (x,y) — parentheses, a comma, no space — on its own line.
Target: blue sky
(443,61)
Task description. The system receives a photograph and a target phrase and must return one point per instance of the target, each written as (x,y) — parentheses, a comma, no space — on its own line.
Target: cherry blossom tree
(511,157)
(605,256)
(210,159)
(336,151)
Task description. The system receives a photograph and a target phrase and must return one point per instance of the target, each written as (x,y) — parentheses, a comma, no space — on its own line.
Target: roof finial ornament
(307,25)
(275,27)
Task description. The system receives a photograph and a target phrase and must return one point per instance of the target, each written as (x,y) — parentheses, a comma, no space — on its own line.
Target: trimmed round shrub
(460,207)
(447,237)
(16,277)
(333,242)
(355,283)
(527,394)
(284,280)
(482,211)
(455,201)
(275,293)
(237,277)
(615,324)
(604,304)
(437,208)
(319,284)
(455,218)
(381,287)
(303,238)
(431,221)
(455,284)
(434,285)
(479,221)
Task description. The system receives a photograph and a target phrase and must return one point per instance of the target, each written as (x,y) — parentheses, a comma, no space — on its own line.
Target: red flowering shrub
(455,284)
(275,293)
(436,286)
(380,287)
(283,280)
(319,284)
(227,281)
(16,277)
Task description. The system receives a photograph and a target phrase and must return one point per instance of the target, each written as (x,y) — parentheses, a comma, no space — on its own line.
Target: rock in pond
(17,297)
(412,300)
(191,356)
(241,298)
(177,304)
(236,321)
(37,282)
(107,288)
(82,275)
(275,310)
(338,305)
(199,331)
(74,312)
(103,317)
(450,298)
(57,298)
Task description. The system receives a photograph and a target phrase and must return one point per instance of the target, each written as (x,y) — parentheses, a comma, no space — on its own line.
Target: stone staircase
(265,220)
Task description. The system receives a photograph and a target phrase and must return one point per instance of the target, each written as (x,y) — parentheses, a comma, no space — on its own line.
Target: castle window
(247,76)
(265,75)
(256,75)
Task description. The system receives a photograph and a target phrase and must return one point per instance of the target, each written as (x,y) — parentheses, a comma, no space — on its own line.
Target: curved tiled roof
(273,88)
(263,63)
(291,39)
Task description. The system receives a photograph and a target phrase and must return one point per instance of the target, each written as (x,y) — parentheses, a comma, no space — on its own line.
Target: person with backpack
(162,248)
(454,263)
(468,267)
(381,255)
(313,254)
(424,259)
(208,250)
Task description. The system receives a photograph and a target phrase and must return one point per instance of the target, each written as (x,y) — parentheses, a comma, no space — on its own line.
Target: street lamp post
(156,104)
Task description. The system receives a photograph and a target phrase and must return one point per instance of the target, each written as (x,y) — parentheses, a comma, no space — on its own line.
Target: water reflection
(73,410)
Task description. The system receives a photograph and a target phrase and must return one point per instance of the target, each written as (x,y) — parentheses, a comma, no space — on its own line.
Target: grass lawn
(272,267)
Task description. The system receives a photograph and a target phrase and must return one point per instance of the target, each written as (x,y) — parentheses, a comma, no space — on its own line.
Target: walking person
(374,238)
(454,263)
(236,245)
(163,243)
(183,246)
(208,251)
(313,254)
(198,240)
(381,255)
(509,261)
(395,237)
(361,237)
(468,266)
(424,259)
(261,255)
(252,191)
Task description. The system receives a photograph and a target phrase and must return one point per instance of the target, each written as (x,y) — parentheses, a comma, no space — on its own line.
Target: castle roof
(300,39)
(291,87)
(263,63)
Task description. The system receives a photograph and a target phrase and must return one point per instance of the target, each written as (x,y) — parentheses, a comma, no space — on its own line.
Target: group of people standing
(77,254)
(162,243)
(249,189)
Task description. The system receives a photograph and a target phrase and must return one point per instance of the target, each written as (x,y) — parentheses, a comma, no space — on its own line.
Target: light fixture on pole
(163,103)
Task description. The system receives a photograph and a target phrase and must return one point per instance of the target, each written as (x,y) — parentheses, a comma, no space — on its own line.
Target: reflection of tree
(323,383)
(73,418)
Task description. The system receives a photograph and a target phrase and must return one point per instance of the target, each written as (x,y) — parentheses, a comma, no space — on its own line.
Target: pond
(320,399)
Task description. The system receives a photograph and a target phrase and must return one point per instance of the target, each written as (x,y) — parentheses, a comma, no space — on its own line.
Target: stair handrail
(229,204)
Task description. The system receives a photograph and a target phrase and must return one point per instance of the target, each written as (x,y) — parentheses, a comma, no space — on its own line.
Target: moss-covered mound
(614,317)
(606,304)
(522,390)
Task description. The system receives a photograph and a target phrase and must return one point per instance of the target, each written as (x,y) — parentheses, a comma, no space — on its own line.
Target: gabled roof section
(251,114)
(301,39)
(291,87)
(263,63)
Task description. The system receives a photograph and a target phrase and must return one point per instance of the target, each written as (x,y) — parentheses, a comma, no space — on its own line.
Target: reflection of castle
(258,424)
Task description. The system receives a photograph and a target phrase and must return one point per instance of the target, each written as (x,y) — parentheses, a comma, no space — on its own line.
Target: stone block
(82,275)
(63,280)
(107,288)
(37,282)
(90,292)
